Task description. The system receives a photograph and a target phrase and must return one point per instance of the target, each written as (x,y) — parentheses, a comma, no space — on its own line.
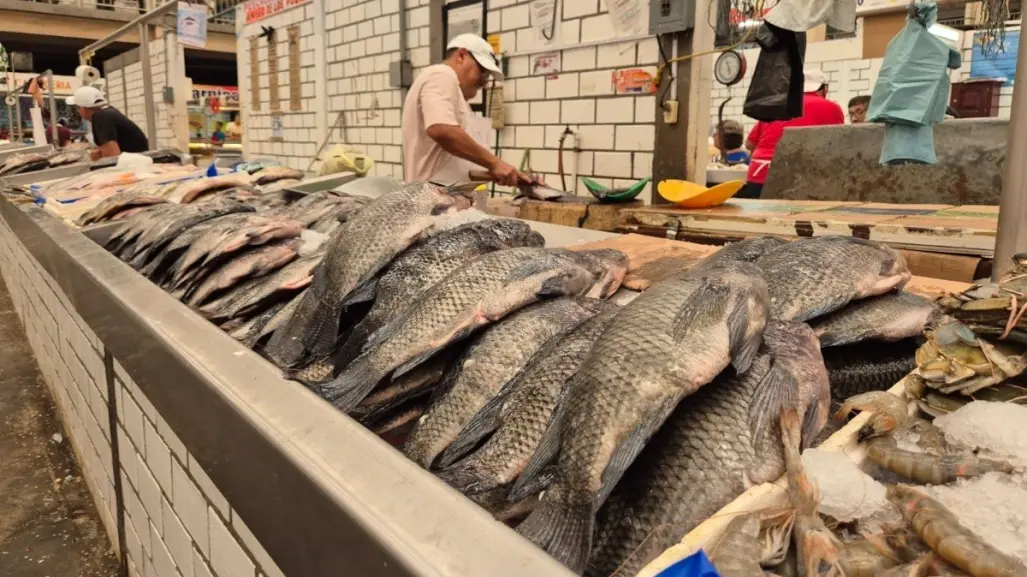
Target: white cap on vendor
(482,52)
(812,80)
(87,97)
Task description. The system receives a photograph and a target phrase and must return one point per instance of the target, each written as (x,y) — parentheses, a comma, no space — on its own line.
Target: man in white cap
(440,143)
(817,110)
(113,132)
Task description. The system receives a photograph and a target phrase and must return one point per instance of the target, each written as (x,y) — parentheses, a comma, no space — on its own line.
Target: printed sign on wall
(272,71)
(257,10)
(192,25)
(295,81)
(1000,65)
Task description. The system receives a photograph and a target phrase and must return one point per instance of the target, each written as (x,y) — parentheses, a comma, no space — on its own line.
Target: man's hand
(505,174)
(94,153)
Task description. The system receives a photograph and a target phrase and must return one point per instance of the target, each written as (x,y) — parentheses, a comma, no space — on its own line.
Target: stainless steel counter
(306,490)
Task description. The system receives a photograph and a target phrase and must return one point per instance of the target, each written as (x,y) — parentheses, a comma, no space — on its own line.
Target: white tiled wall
(301,128)
(177,523)
(125,92)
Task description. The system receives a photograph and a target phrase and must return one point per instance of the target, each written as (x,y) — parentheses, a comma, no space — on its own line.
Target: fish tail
(352,385)
(562,525)
(466,478)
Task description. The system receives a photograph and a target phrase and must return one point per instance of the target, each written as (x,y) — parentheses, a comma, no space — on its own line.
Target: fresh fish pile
(604,433)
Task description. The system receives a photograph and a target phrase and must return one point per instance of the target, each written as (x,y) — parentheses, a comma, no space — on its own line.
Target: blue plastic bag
(695,565)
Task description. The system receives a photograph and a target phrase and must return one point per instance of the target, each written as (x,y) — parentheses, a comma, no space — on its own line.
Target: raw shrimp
(737,553)
(916,568)
(866,558)
(925,468)
(947,537)
(889,412)
(818,549)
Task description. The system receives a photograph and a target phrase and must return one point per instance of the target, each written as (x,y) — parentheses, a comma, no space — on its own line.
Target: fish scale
(712,448)
(888,317)
(365,244)
(492,359)
(663,346)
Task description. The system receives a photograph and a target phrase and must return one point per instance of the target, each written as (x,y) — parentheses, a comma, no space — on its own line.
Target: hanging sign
(192,25)
(277,127)
(627,16)
(543,20)
(257,10)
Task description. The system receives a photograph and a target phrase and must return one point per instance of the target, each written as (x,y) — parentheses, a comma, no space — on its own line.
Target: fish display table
(945,241)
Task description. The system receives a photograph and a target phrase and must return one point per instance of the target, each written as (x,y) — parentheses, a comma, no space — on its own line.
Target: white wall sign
(277,129)
(545,64)
(465,20)
(628,16)
(543,20)
(192,25)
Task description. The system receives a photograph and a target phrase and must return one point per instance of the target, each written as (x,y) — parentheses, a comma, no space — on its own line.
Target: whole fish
(662,347)
(519,419)
(26,162)
(359,249)
(62,158)
(413,385)
(719,442)
(189,191)
(178,226)
(146,228)
(164,263)
(131,229)
(812,277)
(889,317)
(275,173)
(116,203)
(253,295)
(481,292)
(418,269)
(493,358)
(256,262)
(868,366)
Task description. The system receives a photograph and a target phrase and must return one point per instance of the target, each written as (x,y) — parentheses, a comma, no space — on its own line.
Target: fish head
(455,198)
(608,267)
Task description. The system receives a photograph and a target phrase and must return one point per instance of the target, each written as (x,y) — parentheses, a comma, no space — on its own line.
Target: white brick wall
(300,128)
(177,523)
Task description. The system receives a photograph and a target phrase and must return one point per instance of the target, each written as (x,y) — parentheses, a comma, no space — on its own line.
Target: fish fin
(483,423)
(775,391)
(538,483)
(707,299)
(364,293)
(830,306)
(464,478)
(458,332)
(546,453)
(351,386)
(563,528)
(626,451)
(812,422)
(743,345)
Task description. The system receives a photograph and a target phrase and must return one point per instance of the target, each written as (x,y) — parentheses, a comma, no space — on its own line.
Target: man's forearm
(457,142)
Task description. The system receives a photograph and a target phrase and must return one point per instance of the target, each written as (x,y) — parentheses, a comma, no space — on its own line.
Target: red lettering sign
(257,10)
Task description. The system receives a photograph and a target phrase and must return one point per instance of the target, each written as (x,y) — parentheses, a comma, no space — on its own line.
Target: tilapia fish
(493,358)
(20,163)
(62,158)
(193,189)
(482,292)
(417,270)
(663,346)
(812,277)
(116,203)
(254,294)
(256,262)
(889,317)
(254,330)
(359,249)
(276,173)
(163,236)
(717,443)
(519,419)
(136,227)
(164,262)
(868,366)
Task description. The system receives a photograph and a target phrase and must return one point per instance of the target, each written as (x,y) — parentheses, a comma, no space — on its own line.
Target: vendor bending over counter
(113,133)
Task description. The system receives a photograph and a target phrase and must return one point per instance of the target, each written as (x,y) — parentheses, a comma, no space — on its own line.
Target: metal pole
(17,112)
(1011,237)
(53,110)
(157,12)
(151,113)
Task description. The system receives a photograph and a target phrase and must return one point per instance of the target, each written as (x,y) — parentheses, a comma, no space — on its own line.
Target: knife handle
(480,176)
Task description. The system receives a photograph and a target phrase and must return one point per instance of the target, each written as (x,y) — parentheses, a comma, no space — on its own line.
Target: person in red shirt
(817,110)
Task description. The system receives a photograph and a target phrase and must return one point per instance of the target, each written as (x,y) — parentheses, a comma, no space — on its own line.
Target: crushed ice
(994,506)
(846,492)
(997,427)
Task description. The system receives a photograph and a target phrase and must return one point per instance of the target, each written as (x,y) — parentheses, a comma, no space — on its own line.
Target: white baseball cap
(87,97)
(813,79)
(481,50)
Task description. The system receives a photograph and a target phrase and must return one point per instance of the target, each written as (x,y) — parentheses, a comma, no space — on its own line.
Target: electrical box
(670,16)
(21,61)
(401,74)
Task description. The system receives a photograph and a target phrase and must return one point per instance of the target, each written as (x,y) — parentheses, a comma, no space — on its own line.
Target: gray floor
(48,524)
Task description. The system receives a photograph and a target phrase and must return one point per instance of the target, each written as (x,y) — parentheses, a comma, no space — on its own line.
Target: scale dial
(729,68)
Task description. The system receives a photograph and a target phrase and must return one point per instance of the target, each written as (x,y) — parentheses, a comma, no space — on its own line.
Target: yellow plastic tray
(692,195)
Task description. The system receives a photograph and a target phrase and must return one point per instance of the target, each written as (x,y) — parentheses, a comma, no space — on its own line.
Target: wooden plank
(563,213)
(943,266)
(604,216)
